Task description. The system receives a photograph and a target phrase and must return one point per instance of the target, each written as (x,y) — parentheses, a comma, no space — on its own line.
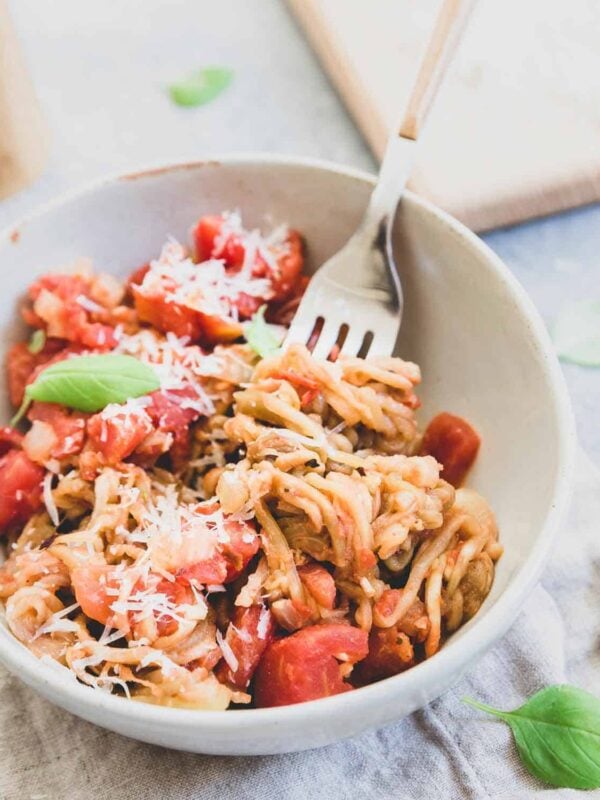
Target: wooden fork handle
(444,40)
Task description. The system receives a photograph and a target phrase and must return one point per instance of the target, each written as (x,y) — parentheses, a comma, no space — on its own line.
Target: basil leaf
(557,733)
(37,341)
(260,336)
(90,383)
(576,333)
(201,87)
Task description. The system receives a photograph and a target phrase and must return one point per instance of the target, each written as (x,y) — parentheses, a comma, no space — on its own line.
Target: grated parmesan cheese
(227,652)
(88,305)
(49,499)
(57,624)
(209,287)
(263,623)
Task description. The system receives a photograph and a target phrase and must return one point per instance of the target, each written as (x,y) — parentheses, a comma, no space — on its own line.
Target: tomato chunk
(21,365)
(90,583)
(452,442)
(66,427)
(182,320)
(210,571)
(117,437)
(390,652)
(306,665)
(20,488)
(229,559)
(319,583)
(249,634)
(178,593)
(242,546)
(289,267)
(210,242)
(57,307)
(9,439)
(207,234)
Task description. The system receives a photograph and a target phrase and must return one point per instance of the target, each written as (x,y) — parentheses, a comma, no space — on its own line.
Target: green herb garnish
(557,733)
(37,342)
(201,87)
(576,333)
(260,336)
(90,383)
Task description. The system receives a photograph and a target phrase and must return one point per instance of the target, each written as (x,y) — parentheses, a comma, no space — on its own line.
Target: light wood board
(515,130)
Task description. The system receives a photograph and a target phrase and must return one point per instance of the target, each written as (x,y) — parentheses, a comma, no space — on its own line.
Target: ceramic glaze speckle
(484,354)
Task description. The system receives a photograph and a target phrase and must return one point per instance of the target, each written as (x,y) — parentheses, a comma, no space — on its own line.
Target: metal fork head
(353,304)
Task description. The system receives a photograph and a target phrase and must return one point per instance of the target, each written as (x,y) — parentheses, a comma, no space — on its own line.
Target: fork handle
(449,25)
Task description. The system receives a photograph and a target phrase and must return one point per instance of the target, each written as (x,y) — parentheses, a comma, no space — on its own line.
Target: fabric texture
(447,750)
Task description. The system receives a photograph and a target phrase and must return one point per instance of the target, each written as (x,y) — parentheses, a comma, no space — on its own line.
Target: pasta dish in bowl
(195,519)
(261,528)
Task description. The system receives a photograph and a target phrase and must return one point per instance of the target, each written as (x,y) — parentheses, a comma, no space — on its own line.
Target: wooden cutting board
(515,130)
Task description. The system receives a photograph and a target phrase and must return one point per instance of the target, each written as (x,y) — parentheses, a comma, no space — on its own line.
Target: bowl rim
(456,653)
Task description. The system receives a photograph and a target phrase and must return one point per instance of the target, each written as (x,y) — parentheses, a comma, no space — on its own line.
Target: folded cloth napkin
(447,750)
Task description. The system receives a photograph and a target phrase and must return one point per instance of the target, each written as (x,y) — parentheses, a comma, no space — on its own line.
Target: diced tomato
(9,439)
(249,634)
(306,665)
(166,315)
(117,437)
(206,235)
(308,389)
(179,593)
(64,286)
(170,414)
(210,571)
(291,615)
(57,309)
(387,603)
(21,365)
(452,442)
(319,584)
(169,410)
(283,311)
(230,558)
(209,243)
(242,546)
(68,428)
(137,276)
(289,267)
(20,488)
(90,583)
(415,623)
(216,329)
(96,336)
(390,652)
(90,464)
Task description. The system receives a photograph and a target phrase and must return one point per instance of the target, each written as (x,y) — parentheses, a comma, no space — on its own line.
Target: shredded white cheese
(49,499)
(227,652)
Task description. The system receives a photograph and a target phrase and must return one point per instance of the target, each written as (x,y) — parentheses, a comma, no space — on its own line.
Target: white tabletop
(100,70)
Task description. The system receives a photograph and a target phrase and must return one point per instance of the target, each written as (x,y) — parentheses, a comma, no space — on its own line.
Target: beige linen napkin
(446,751)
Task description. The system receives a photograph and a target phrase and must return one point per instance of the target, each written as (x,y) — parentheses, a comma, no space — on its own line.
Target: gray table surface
(100,70)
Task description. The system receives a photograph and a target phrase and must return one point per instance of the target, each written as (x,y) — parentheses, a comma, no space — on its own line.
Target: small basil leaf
(260,336)
(37,341)
(90,383)
(576,333)
(201,87)
(557,733)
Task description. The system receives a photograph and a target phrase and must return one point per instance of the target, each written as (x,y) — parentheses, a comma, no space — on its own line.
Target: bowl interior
(465,322)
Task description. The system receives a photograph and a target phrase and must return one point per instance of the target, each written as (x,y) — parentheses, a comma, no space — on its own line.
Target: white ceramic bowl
(484,353)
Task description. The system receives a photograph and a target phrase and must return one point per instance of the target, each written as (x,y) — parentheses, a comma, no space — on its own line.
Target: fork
(353,304)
